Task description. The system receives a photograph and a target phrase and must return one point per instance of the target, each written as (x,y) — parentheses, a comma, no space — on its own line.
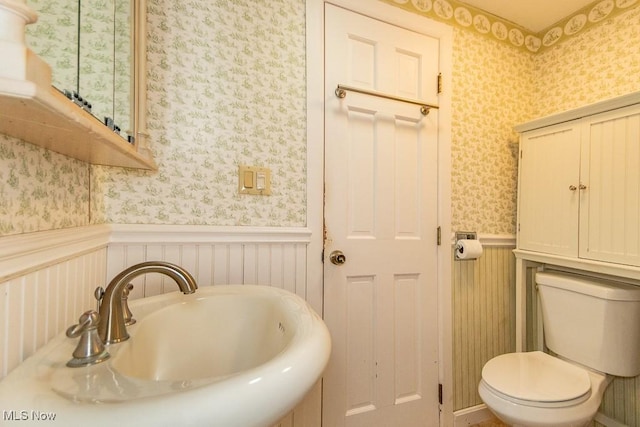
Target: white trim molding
(24,253)
(473,415)
(494,240)
(21,254)
(131,233)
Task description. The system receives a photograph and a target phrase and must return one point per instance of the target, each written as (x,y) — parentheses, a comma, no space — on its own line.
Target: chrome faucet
(111,327)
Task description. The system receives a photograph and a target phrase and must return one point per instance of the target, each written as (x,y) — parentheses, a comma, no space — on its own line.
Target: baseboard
(480,413)
(473,415)
(609,422)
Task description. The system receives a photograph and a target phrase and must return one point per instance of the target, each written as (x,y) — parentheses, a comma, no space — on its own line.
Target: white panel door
(381,212)
(549,194)
(610,192)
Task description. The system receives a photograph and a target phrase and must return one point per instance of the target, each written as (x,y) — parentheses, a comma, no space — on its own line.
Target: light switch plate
(254,180)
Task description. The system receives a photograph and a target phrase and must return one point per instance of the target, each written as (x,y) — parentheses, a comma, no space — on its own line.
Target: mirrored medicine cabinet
(90,104)
(88,44)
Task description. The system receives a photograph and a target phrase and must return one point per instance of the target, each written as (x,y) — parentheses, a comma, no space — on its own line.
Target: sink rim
(30,383)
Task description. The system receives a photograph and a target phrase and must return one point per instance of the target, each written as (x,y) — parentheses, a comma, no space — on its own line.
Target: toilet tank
(592,321)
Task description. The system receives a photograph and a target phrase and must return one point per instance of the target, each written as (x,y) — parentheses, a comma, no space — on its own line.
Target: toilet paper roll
(468,249)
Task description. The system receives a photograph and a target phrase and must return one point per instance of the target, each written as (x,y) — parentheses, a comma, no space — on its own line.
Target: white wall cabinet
(579,195)
(579,188)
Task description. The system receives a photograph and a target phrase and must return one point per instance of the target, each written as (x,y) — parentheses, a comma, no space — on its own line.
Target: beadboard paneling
(45,301)
(483,317)
(279,264)
(215,256)
(621,401)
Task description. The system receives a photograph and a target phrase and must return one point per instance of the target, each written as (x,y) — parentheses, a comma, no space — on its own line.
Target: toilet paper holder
(464,235)
(458,249)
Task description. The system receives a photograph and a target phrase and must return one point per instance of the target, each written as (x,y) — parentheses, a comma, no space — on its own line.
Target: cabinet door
(548,196)
(610,192)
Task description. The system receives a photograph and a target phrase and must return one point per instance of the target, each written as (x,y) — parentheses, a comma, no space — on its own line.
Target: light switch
(254,180)
(261,181)
(248,179)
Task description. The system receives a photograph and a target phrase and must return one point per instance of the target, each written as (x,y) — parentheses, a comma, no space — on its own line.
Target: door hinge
(322,256)
(440,393)
(439,238)
(439,83)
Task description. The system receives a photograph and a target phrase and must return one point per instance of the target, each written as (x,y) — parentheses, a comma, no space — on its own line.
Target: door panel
(381,211)
(610,193)
(549,190)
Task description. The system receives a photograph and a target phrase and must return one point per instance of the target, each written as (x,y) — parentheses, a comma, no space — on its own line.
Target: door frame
(315,164)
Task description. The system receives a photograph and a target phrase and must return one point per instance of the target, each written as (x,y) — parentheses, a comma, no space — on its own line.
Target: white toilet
(593,326)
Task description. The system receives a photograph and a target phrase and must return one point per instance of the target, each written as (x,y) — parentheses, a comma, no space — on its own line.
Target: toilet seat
(536,379)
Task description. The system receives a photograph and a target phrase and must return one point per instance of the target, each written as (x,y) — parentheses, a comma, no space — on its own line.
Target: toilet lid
(536,376)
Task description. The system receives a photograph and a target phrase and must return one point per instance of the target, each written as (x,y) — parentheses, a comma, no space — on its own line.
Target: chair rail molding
(133,233)
(21,254)
(493,240)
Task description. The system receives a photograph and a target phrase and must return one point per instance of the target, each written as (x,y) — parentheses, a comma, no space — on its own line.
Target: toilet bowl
(593,326)
(537,390)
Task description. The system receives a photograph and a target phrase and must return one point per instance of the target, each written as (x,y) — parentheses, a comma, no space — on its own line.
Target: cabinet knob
(583,187)
(573,188)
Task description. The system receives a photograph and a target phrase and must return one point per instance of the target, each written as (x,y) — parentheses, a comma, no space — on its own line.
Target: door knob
(337,258)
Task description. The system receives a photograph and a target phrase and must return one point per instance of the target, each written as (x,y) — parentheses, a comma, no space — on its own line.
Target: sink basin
(230,355)
(179,343)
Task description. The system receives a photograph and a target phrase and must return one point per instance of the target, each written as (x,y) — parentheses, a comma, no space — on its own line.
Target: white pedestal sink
(231,355)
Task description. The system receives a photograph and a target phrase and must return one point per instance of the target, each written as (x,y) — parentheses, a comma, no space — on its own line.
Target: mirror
(88,44)
(55,39)
(123,66)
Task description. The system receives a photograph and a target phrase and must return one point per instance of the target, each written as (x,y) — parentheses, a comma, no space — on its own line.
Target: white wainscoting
(46,283)
(214,255)
(47,278)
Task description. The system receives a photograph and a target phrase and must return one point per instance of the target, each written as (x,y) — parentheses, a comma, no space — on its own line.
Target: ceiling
(534,15)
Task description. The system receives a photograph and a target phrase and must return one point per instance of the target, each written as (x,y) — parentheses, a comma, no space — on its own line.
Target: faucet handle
(98,294)
(88,320)
(128,316)
(90,349)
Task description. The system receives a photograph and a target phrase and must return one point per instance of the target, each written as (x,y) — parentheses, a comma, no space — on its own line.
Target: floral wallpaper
(226,86)
(496,87)
(604,62)
(492,86)
(40,189)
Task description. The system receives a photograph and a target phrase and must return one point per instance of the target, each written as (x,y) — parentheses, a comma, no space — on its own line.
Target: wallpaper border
(467,17)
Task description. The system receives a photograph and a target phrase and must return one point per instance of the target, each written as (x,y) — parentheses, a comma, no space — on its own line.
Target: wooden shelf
(45,117)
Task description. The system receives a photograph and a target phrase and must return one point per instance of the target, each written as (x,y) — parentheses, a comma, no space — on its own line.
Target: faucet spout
(112,328)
